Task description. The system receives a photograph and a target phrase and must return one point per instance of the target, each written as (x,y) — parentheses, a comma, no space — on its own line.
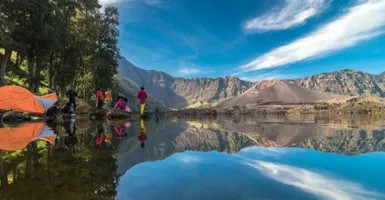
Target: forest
(50,45)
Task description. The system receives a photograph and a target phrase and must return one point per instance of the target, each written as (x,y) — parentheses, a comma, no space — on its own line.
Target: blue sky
(253,39)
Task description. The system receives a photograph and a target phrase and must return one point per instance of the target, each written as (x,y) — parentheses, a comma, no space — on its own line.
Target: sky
(252,39)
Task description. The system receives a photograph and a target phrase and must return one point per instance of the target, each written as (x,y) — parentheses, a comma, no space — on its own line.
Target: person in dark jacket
(52,111)
(71,94)
(66,108)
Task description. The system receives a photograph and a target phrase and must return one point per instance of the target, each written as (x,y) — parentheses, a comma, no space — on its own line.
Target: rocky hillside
(172,137)
(276,91)
(349,142)
(178,92)
(175,92)
(346,82)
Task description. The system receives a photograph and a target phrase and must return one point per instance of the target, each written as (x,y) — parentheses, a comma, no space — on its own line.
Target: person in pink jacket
(142,98)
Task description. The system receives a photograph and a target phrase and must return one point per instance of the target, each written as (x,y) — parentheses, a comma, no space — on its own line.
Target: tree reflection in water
(74,168)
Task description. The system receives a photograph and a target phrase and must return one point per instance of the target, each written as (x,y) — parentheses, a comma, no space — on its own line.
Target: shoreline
(322,108)
(279,109)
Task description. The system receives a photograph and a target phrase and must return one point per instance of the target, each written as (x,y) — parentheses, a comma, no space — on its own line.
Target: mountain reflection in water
(264,158)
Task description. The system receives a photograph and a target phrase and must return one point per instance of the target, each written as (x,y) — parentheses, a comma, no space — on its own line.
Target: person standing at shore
(100,98)
(71,95)
(142,98)
(108,98)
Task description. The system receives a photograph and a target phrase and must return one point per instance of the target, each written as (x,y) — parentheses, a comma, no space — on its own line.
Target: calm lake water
(292,157)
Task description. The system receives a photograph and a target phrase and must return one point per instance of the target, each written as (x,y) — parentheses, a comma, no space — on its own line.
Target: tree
(63,43)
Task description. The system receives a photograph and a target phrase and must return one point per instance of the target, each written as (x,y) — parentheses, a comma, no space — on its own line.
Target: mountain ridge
(178,92)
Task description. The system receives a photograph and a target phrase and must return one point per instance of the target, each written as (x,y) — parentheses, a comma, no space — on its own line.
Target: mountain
(276,91)
(224,135)
(172,92)
(172,137)
(178,92)
(346,82)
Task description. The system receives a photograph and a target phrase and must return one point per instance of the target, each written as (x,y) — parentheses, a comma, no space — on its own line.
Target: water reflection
(84,160)
(142,137)
(257,173)
(72,167)
(16,138)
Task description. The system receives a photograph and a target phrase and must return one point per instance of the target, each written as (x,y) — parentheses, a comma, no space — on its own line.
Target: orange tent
(22,100)
(12,139)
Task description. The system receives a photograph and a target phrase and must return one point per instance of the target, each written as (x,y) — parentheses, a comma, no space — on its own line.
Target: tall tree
(61,43)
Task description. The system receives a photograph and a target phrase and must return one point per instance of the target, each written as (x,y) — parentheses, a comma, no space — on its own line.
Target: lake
(287,157)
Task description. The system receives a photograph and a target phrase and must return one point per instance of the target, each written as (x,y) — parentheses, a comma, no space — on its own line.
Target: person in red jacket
(142,98)
(100,98)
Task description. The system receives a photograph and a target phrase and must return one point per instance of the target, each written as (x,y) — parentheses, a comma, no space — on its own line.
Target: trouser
(108,105)
(72,102)
(142,105)
(142,127)
(100,104)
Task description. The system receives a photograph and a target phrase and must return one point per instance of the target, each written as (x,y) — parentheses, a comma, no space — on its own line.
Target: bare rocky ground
(350,106)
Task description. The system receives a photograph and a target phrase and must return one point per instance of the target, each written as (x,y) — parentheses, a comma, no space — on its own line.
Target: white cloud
(148,2)
(188,159)
(186,71)
(292,13)
(320,185)
(153,2)
(107,2)
(361,22)
(266,76)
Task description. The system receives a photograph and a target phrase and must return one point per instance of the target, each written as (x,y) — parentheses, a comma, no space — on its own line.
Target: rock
(11,116)
(97,114)
(115,114)
(83,110)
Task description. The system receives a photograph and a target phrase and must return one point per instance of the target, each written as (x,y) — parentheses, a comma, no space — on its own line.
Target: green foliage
(58,44)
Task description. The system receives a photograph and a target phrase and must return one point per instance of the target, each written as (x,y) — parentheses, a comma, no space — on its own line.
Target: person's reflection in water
(142,137)
(120,130)
(157,115)
(71,139)
(53,126)
(108,135)
(100,135)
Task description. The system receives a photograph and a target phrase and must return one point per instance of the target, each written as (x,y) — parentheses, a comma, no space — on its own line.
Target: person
(119,129)
(142,137)
(71,140)
(120,104)
(142,97)
(108,98)
(157,115)
(52,111)
(121,96)
(66,108)
(100,135)
(108,134)
(100,98)
(71,94)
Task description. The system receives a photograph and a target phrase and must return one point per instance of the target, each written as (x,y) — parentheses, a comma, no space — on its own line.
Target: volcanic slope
(276,91)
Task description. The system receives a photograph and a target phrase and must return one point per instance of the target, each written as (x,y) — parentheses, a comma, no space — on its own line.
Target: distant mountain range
(172,92)
(346,82)
(176,92)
